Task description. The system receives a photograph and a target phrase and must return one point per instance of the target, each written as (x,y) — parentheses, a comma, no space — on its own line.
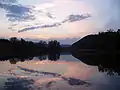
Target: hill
(102,42)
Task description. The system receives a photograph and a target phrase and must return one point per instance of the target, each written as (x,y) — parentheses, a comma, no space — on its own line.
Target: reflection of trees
(110,64)
(53,56)
(15,60)
(111,69)
(42,57)
(12,61)
(106,62)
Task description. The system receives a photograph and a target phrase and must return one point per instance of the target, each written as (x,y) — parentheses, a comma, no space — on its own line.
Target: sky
(64,20)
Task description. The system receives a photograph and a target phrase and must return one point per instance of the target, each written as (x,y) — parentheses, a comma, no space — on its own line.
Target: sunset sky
(57,19)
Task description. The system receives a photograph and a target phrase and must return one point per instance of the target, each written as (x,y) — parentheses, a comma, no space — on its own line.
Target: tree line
(20,47)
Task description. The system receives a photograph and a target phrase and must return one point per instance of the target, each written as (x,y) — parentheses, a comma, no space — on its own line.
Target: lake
(48,73)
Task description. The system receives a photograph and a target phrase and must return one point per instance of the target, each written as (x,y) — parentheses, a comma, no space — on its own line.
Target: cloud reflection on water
(54,75)
(50,79)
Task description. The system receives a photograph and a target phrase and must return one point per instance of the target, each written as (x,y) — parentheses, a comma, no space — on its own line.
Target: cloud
(17,12)
(8,1)
(43,26)
(22,14)
(50,15)
(71,81)
(74,18)
(38,16)
(70,19)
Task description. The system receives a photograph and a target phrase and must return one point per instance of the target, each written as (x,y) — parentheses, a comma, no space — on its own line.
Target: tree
(54,46)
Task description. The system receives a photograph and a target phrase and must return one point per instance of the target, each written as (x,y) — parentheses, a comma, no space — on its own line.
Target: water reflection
(29,84)
(67,73)
(21,59)
(53,56)
(71,81)
(42,57)
(14,60)
(45,75)
(50,56)
(18,84)
(105,62)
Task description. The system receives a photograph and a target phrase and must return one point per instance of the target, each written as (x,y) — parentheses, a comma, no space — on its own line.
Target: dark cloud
(29,28)
(42,26)
(52,25)
(8,1)
(14,17)
(15,11)
(71,18)
(18,12)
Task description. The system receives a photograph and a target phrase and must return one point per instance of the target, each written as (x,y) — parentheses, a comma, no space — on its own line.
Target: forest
(14,47)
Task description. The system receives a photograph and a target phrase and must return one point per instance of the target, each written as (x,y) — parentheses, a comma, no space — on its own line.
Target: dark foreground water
(67,73)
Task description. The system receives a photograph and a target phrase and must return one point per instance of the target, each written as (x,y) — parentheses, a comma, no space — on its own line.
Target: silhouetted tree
(53,46)
(21,48)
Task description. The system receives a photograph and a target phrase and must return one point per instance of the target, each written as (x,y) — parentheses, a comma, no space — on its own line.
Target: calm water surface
(67,73)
